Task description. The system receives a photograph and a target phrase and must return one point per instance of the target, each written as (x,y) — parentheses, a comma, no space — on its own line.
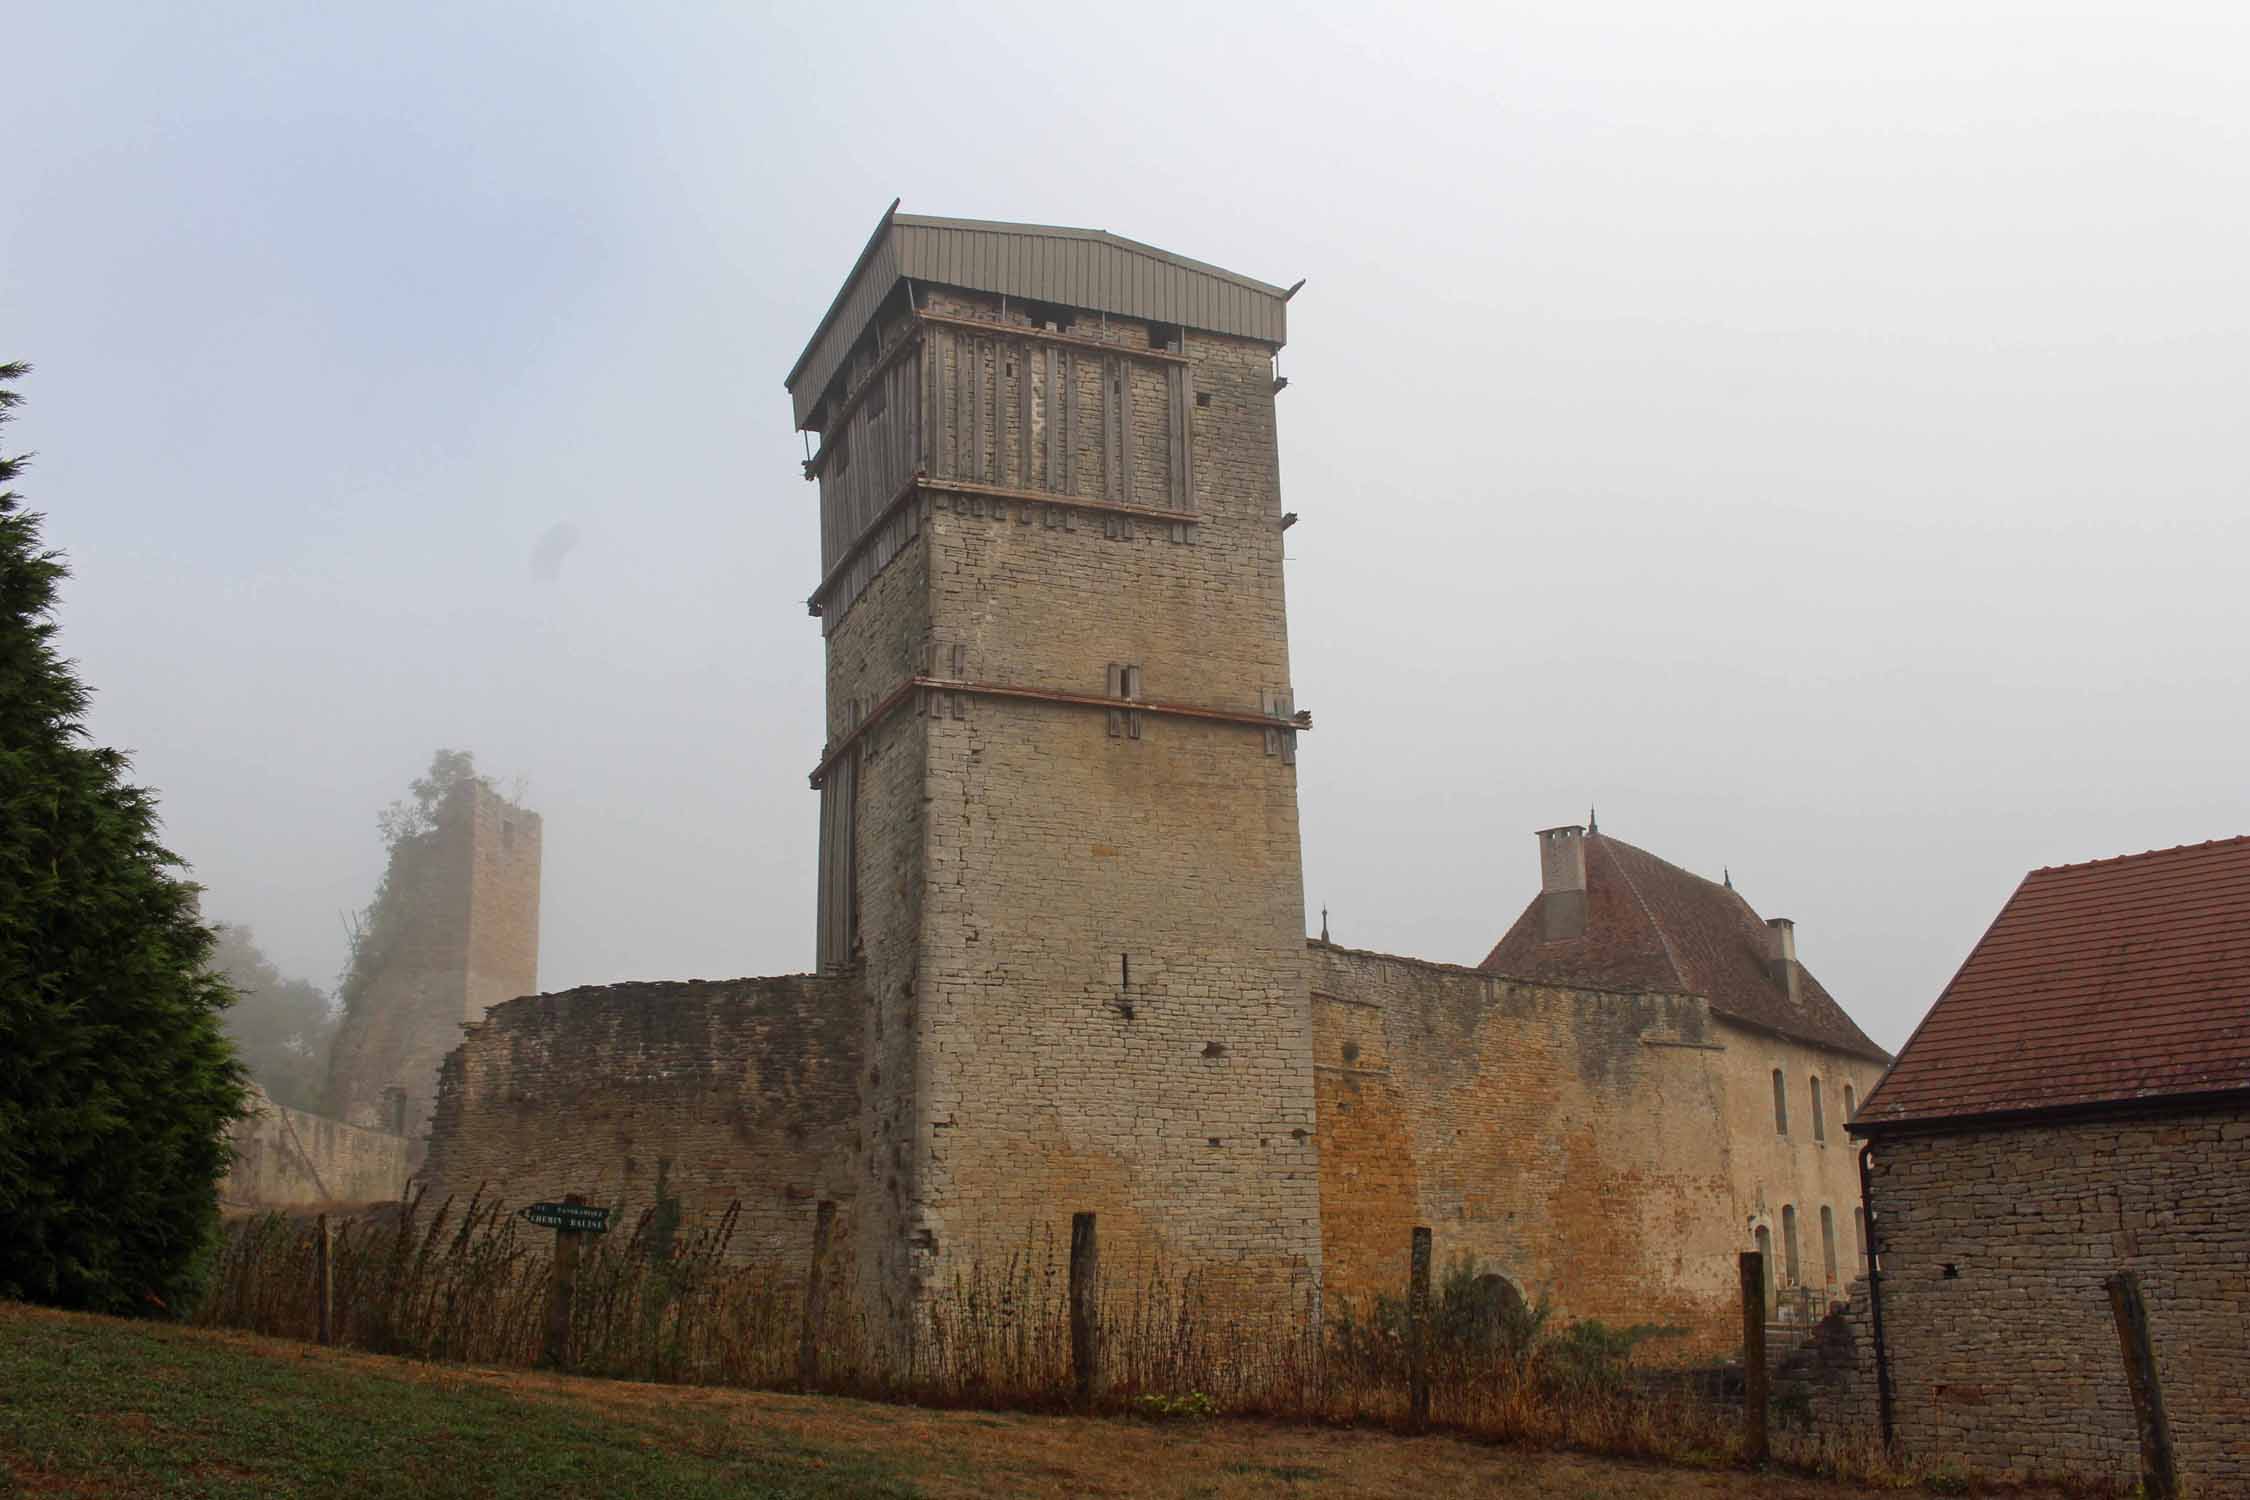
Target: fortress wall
(693,1094)
(1573,1141)
(286,1158)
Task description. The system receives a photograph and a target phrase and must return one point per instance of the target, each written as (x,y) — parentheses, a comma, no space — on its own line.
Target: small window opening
(1202,398)
(1828,1242)
(1048,315)
(1780,1104)
(1851,1105)
(1163,336)
(1819,1116)
(1789,1241)
(1765,1258)
(1859,1230)
(507,833)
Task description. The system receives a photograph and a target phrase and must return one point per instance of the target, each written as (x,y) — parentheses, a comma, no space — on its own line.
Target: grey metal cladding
(1085,268)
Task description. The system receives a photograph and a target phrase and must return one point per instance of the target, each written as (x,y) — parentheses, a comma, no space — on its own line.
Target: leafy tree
(117,1082)
(281,1027)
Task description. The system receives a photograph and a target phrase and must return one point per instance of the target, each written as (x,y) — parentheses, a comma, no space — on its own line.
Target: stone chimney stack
(1781,957)
(1562,882)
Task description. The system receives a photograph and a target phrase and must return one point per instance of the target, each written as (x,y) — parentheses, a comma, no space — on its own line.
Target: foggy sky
(1813,434)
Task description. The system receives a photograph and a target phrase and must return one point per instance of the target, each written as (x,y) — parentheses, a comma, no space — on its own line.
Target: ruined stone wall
(683,1097)
(464,935)
(287,1158)
(2010,1361)
(1599,1148)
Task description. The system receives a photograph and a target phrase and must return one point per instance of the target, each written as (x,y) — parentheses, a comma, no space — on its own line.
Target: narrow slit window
(1780,1104)
(1828,1242)
(1851,1105)
(1859,1227)
(1765,1260)
(1789,1241)
(1819,1115)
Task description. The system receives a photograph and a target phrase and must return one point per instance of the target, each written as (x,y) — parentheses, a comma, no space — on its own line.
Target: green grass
(103,1407)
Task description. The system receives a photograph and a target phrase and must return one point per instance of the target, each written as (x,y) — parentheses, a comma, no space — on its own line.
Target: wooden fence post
(1418,1333)
(1755,1376)
(324,1284)
(562,1291)
(1085,1327)
(2160,1478)
(816,1297)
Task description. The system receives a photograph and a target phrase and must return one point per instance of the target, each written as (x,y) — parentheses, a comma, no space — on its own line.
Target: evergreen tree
(117,1083)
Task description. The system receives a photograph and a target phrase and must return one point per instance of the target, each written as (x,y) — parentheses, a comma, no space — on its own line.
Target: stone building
(1061,944)
(1639,1081)
(2076,1103)
(466,937)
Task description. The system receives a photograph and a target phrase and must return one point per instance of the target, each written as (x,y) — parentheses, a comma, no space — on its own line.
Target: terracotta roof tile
(2100,983)
(1651,925)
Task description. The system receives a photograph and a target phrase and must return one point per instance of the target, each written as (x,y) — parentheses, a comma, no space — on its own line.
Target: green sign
(579,1216)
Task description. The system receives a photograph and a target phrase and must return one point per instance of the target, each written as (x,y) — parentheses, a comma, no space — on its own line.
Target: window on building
(1828,1242)
(1851,1104)
(1789,1242)
(1765,1257)
(1780,1104)
(1859,1228)
(1819,1115)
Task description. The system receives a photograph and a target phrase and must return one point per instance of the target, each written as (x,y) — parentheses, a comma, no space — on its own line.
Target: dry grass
(469,1286)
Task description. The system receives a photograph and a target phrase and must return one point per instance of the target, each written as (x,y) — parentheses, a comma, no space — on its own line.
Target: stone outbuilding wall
(1995,1245)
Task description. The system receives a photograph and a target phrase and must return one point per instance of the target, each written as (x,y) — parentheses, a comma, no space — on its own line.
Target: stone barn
(2076,1103)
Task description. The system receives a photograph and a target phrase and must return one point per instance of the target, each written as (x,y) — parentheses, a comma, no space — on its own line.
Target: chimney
(1781,957)
(1562,882)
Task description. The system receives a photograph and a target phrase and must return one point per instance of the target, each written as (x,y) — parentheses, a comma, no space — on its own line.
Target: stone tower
(466,937)
(1059,793)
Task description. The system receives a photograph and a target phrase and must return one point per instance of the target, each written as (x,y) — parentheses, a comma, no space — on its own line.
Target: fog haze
(1812,435)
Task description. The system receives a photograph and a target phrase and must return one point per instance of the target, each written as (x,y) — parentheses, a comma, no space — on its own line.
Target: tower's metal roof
(1086,268)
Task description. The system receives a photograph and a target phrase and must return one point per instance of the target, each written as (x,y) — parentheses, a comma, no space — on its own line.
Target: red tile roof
(2098,984)
(1651,925)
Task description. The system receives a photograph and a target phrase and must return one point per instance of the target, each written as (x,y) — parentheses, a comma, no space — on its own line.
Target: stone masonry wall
(1028,879)
(285,1158)
(2010,1362)
(878,645)
(1112,988)
(697,1094)
(1613,1152)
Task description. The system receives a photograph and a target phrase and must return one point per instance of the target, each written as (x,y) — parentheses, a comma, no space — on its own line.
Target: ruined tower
(461,935)
(1058,794)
